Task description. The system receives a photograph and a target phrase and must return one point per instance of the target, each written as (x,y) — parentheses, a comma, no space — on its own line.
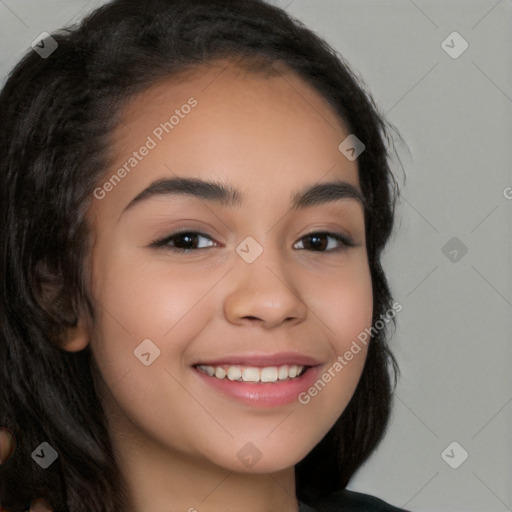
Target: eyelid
(346,240)
(161,242)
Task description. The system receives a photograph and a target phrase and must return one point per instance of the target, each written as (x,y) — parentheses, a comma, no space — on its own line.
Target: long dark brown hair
(57,114)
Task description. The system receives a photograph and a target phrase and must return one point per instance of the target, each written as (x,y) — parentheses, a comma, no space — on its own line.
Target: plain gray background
(453,336)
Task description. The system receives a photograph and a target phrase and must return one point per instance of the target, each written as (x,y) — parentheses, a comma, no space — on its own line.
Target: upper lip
(275,359)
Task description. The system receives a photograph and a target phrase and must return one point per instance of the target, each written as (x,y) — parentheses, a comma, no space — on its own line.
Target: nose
(263,292)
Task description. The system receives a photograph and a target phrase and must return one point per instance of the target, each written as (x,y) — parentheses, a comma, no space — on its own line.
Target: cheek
(345,309)
(343,301)
(145,300)
(130,308)
(351,310)
(165,303)
(137,302)
(172,304)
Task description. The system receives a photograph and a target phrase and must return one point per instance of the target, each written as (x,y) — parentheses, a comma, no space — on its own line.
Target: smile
(252,373)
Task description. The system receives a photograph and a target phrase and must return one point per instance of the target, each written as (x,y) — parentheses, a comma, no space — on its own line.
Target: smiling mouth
(253,374)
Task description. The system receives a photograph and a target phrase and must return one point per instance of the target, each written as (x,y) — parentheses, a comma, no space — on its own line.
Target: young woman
(195,197)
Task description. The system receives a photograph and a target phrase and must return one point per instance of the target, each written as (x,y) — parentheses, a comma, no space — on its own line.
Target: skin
(176,439)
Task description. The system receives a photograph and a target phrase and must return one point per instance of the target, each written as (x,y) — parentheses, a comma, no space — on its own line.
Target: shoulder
(344,500)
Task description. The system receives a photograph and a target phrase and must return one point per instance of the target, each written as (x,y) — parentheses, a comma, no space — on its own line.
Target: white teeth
(220,373)
(234,373)
(252,373)
(283,373)
(269,374)
(210,370)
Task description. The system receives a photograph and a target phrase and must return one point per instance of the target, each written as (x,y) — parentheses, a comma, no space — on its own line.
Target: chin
(254,458)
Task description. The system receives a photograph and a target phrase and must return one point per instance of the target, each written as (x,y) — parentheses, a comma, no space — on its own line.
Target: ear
(58,304)
(76,338)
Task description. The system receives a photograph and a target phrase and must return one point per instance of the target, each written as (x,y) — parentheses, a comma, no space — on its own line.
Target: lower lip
(264,394)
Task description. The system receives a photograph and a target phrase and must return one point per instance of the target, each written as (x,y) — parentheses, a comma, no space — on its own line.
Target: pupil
(317,243)
(186,238)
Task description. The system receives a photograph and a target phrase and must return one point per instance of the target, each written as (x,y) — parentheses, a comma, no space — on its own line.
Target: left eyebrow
(229,196)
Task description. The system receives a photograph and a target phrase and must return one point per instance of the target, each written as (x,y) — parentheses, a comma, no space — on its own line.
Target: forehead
(243,97)
(264,130)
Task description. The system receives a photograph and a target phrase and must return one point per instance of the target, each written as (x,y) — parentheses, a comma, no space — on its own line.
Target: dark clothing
(349,501)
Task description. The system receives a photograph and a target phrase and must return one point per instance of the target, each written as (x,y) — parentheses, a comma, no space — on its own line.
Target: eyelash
(345,241)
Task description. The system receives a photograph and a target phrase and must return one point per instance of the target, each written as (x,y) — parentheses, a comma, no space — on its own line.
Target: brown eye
(186,241)
(183,241)
(319,242)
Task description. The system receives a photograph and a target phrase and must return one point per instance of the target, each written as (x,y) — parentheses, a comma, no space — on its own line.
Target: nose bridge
(263,289)
(261,257)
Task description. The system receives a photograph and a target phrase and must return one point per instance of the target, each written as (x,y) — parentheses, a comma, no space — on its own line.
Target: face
(265,281)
